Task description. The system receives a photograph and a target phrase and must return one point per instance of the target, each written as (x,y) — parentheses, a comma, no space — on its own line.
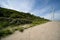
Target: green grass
(6,32)
(35,23)
(3,24)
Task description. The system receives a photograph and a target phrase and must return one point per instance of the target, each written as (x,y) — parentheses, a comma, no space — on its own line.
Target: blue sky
(42,8)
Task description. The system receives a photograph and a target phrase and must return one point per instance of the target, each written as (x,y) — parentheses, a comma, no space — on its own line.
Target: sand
(47,31)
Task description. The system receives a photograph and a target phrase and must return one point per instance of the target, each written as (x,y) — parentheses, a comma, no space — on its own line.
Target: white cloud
(46,12)
(41,11)
(21,5)
(47,16)
(57,15)
(50,15)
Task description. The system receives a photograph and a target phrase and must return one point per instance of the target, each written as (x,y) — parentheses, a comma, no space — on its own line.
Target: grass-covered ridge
(11,18)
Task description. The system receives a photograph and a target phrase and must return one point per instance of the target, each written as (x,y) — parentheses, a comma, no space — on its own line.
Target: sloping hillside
(12,17)
(9,18)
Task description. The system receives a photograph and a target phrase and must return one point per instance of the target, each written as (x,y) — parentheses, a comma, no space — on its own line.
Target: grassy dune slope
(9,19)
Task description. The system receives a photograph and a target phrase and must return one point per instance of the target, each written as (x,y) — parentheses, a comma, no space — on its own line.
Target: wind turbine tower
(52,16)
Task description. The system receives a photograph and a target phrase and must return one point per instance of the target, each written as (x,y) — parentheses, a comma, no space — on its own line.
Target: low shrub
(21,29)
(3,24)
(5,32)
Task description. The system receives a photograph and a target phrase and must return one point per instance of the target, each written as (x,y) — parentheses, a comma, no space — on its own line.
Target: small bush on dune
(21,29)
(3,24)
(5,32)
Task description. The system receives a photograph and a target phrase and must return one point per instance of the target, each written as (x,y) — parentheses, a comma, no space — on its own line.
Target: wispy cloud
(57,15)
(41,11)
(21,5)
(50,15)
(47,13)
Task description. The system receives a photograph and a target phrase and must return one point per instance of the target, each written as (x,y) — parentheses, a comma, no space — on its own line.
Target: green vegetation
(12,18)
(21,29)
(5,32)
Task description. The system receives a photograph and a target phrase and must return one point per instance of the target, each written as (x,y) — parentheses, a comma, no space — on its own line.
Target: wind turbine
(52,15)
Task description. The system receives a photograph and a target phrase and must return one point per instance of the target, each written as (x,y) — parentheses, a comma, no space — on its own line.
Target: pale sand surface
(47,31)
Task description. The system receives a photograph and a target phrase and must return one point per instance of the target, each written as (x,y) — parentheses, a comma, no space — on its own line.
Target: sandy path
(47,31)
